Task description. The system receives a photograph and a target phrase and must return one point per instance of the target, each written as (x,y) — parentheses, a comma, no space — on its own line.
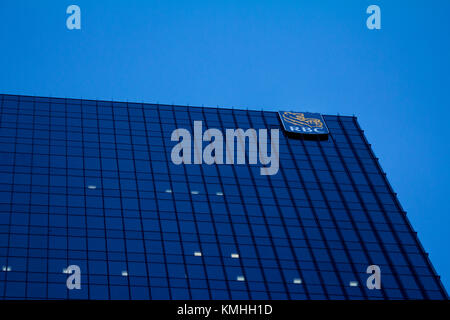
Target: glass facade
(92,184)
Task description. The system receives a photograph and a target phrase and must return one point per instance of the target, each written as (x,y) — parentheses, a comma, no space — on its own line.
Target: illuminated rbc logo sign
(304,123)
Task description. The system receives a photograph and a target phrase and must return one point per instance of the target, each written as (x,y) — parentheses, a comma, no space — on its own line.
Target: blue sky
(300,55)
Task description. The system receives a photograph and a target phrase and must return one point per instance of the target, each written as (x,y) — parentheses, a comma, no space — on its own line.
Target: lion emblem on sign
(299,119)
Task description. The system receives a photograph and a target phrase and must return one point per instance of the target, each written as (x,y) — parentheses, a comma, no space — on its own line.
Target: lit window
(6,268)
(353,283)
(194,192)
(197,254)
(298,281)
(240,278)
(92,187)
(219,193)
(65,271)
(125,273)
(169,191)
(235,256)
